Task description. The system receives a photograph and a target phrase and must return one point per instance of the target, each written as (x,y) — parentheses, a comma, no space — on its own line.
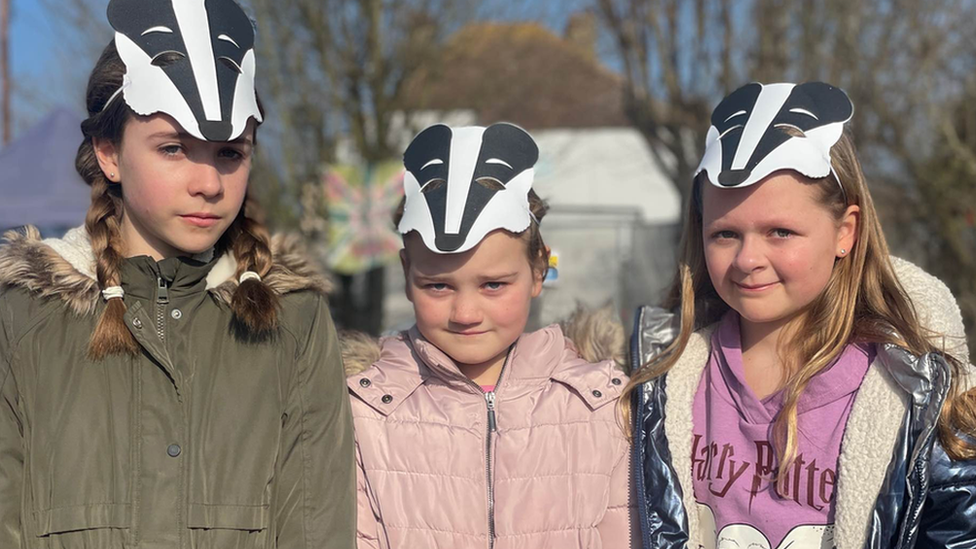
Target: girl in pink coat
(471,433)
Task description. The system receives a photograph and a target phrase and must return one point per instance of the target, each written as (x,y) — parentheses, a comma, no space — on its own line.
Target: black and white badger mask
(749,139)
(463,183)
(209,88)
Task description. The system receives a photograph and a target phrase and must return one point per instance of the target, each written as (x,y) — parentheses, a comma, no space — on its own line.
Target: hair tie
(249,275)
(113,292)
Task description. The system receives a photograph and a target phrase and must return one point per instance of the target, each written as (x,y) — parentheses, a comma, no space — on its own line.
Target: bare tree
(681,56)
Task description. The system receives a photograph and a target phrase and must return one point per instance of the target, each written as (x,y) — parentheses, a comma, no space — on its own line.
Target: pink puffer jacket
(554,471)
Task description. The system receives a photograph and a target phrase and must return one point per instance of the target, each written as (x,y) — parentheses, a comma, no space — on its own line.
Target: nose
(750,255)
(465,310)
(207,181)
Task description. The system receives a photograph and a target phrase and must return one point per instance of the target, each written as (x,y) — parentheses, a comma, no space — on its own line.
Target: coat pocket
(228,517)
(76,518)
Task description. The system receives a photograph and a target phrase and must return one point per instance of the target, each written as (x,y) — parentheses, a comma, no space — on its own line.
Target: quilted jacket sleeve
(619,527)
(367,522)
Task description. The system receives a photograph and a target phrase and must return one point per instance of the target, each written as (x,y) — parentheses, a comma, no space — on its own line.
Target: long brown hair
(255,305)
(863,301)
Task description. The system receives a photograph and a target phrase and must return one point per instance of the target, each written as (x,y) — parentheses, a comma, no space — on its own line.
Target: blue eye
(723,235)
(171,150)
(494,286)
(438,287)
(783,233)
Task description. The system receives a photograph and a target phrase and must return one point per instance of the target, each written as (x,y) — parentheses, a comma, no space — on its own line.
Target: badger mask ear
(190,59)
(759,129)
(462,183)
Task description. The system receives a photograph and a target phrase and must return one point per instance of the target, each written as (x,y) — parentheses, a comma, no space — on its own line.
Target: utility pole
(5,67)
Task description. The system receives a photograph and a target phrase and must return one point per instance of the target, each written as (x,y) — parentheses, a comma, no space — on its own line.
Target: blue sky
(46,65)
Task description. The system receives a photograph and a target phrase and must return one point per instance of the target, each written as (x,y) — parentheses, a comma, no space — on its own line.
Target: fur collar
(65,268)
(594,334)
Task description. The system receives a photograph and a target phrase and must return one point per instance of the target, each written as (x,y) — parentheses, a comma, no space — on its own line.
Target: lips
(201,219)
(755,287)
(470,333)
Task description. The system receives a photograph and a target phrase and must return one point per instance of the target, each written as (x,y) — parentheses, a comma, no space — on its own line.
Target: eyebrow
(242,140)
(432,278)
(502,276)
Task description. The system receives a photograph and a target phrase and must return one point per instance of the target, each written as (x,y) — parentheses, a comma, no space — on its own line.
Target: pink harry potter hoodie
(539,462)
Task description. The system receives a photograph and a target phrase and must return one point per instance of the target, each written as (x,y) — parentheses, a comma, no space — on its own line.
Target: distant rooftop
(521,73)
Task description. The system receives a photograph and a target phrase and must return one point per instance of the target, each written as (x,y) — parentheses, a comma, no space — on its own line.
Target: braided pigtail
(106,120)
(255,304)
(111,336)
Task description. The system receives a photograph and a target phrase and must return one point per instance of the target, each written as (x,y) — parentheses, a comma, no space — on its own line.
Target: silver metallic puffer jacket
(913,496)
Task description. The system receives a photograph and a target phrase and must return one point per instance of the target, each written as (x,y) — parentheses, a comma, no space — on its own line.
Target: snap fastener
(137,323)
(365,382)
(597,394)
(173,450)
(176,314)
(615,381)
(387,399)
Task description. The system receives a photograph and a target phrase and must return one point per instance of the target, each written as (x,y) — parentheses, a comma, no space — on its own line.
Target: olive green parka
(203,440)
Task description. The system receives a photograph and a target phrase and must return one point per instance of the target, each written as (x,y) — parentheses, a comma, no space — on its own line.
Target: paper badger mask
(462,183)
(748,138)
(209,87)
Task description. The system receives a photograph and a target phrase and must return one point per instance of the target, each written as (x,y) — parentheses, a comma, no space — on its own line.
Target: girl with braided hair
(169,373)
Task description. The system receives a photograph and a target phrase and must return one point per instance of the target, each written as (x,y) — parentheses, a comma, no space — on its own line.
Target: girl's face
(472,305)
(180,193)
(770,247)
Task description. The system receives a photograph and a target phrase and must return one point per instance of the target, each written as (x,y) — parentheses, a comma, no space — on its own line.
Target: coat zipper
(162,299)
(492,427)
(490,401)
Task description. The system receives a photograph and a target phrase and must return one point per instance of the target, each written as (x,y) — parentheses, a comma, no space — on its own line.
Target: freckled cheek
(431,312)
(512,311)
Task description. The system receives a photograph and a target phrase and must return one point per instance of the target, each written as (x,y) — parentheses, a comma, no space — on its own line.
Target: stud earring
(843,251)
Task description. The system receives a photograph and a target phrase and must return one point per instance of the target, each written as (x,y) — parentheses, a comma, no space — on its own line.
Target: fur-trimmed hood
(65,268)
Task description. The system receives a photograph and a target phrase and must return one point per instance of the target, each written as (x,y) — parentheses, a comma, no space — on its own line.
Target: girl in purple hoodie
(811,392)
(471,433)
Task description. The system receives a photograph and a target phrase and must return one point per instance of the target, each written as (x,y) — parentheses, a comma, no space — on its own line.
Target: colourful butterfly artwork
(361,200)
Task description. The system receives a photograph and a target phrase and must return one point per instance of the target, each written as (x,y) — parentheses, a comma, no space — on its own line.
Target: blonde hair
(254,303)
(863,301)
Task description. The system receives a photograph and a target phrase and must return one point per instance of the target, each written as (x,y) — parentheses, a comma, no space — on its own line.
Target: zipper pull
(490,400)
(162,291)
